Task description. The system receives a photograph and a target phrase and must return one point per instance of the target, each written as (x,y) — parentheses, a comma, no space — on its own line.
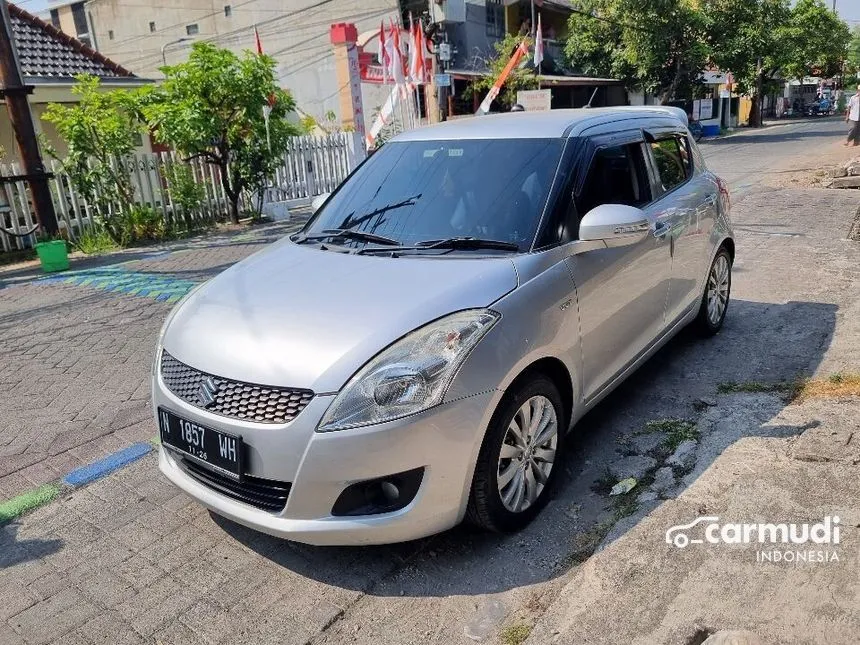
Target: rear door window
(672,162)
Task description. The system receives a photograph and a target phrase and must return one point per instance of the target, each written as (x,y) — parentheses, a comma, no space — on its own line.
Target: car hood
(298,316)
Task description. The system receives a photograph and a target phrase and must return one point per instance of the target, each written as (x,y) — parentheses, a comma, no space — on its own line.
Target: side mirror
(318,201)
(615,224)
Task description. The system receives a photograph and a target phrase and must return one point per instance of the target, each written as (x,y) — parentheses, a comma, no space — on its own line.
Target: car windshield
(420,191)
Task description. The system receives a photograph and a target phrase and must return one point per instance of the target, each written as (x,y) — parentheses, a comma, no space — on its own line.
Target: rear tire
(715,299)
(522,449)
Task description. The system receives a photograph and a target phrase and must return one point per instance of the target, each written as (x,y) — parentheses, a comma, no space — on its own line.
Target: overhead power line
(247,28)
(269,28)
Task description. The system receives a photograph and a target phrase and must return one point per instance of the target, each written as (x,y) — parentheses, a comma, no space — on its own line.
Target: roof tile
(45,51)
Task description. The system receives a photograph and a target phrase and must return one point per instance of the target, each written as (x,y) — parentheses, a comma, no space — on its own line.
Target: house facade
(50,59)
(479,24)
(143,37)
(70,17)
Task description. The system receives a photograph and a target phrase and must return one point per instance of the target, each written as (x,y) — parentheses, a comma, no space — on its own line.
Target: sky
(848,9)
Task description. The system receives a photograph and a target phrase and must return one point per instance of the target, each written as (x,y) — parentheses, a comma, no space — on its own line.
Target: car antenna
(593,94)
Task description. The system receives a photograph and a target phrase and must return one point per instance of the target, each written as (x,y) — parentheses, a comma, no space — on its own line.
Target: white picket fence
(312,166)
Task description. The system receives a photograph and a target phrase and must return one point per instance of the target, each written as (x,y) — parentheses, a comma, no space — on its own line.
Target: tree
(757,39)
(819,41)
(657,45)
(521,78)
(100,130)
(852,60)
(750,39)
(211,107)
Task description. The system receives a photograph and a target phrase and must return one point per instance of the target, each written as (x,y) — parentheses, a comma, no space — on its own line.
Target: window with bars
(228,11)
(192,30)
(152,27)
(495,18)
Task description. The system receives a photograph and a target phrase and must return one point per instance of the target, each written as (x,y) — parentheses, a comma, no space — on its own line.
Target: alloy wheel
(528,454)
(718,289)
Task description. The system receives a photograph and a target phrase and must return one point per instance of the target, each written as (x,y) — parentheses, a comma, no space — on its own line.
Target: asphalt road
(747,158)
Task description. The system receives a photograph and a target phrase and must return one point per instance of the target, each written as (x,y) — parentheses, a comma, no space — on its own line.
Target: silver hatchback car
(418,352)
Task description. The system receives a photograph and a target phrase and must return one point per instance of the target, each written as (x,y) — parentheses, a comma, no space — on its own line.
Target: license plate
(218,450)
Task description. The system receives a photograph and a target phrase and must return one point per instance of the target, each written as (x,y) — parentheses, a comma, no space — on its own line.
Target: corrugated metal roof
(48,54)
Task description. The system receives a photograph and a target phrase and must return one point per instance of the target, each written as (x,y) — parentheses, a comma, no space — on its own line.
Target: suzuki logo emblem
(207,391)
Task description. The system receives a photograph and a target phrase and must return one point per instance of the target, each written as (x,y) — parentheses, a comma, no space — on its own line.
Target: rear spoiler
(668,110)
(677,112)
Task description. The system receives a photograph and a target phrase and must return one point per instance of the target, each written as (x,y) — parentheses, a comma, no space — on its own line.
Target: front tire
(519,461)
(715,300)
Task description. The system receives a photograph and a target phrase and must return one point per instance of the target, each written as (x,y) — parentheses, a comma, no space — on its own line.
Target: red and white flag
(422,51)
(412,45)
(521,51)
(417,64)
(538,44)
(270,100)
(384,57)
(257,41)
(396,56)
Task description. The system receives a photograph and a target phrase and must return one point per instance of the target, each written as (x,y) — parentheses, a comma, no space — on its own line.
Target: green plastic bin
(53,255)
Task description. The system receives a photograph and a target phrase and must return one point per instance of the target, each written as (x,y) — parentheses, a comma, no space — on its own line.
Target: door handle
(711,200)
(661,228)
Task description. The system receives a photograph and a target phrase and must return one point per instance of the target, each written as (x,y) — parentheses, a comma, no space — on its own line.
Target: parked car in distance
(417,354)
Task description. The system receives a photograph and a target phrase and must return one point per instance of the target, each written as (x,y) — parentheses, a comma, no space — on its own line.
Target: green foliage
(752,387)
(676,430)
(186,194)
(102,128)
(852,60)
(137,224)
(521,78)
(658,45)
(819,41)
(308,124)
(516,634)
(749,38)
(94,239)
(211,107)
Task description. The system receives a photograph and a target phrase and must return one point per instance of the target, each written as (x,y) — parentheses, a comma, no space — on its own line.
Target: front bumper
(444,441)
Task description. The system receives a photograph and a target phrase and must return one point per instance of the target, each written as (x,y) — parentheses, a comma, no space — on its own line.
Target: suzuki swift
(418,352)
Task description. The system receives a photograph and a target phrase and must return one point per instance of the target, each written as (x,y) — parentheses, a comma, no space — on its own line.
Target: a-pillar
(344,37)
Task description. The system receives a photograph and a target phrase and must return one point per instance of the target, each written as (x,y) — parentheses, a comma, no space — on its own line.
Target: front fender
(540,319)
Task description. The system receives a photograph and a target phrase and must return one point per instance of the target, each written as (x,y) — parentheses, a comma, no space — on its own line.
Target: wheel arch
(555,370)
(729,245)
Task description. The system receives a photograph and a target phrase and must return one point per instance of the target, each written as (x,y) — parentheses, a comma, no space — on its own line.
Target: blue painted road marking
(106,466)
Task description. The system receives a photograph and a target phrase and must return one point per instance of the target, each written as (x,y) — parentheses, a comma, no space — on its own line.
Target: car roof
(536,125)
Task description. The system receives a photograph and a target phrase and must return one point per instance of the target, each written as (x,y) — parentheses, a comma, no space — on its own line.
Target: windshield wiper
(467,243)
(351,234)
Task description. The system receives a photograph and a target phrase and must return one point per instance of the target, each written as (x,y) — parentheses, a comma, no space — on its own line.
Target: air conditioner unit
(448,10)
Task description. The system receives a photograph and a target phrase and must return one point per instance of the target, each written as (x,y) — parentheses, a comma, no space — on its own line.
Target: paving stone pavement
(76,350)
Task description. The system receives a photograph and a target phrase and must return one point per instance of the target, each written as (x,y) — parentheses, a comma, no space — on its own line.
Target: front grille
(234,399)
(265,494)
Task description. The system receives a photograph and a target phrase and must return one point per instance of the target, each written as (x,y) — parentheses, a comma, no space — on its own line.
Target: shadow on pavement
(14,551)
(760,342)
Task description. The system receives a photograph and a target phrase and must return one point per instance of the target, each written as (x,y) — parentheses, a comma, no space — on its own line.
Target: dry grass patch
(834,386)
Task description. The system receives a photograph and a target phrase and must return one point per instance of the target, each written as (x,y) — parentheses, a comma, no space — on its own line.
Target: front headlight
(411,375)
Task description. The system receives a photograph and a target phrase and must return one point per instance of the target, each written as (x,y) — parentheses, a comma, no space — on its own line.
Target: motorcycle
(696,130)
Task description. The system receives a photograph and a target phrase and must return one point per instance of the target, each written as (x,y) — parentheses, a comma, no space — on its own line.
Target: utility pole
(15,93)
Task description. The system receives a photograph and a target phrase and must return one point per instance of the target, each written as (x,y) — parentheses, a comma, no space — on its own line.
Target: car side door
(621,289)
(684,206)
